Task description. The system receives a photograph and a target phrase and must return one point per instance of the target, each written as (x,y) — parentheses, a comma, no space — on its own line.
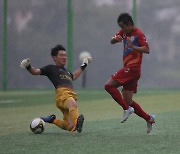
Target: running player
(135,45)
(65,97)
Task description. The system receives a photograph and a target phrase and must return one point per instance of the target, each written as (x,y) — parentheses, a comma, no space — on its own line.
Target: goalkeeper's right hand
(26,64)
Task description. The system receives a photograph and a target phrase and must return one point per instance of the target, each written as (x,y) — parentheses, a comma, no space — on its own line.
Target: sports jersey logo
(65,77)
(132,38)
(127,70)
(124,35)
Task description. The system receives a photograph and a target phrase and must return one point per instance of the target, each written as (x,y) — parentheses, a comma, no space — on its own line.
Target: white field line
(9,101)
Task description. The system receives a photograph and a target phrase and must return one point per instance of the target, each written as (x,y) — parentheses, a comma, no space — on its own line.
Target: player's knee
(107,87)
(72,104)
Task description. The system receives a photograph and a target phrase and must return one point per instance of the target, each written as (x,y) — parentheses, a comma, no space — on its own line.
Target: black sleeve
(45,70)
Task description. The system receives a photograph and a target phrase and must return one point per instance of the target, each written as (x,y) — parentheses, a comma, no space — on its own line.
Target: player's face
(127,28)
(61,58)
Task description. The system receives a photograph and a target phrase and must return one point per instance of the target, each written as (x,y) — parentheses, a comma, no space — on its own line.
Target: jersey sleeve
(119,33)
(142,40)
(45,70)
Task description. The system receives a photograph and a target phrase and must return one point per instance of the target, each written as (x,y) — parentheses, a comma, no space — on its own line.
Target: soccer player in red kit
(135,45)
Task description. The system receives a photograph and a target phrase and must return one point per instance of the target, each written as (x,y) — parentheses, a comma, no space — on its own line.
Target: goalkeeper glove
(85,62)
(26,64)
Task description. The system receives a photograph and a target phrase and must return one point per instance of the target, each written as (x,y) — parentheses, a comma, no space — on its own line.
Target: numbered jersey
(130,56)
(59,76)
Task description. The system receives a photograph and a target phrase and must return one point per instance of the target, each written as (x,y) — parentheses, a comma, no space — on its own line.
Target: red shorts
(128,77)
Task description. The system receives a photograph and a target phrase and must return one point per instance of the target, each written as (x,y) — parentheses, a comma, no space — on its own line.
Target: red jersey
(130,56)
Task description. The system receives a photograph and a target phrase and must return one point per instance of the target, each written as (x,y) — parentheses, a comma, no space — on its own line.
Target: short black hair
(125,18)
(56,49)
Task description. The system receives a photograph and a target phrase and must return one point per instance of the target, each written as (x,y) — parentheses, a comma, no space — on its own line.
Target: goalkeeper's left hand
(85,62)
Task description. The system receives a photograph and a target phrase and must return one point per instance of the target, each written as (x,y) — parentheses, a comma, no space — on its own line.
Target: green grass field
(102,132)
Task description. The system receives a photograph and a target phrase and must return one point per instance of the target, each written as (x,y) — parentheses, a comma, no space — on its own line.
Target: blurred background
(35,26)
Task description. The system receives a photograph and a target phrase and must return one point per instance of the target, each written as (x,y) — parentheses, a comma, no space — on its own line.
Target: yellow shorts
(62,96)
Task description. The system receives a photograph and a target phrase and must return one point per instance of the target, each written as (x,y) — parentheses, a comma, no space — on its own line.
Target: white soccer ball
(83,55)
(37,125)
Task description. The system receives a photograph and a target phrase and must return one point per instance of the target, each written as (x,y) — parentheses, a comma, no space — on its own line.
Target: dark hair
(56,49)
(125,18)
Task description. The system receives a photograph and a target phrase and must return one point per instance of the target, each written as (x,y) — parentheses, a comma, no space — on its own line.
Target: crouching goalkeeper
(65,97)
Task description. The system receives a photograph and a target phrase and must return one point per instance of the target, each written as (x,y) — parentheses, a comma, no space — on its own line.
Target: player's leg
(66,102)
(49,119)
(71,106)
(63,124)
(150,119)
(71,120)
(74,119)
(127,96)
(139,111)
(111,87)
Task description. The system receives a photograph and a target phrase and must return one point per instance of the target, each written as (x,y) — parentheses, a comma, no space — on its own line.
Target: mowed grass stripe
(102,133)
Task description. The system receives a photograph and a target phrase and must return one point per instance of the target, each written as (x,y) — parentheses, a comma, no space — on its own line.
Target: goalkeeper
(65,97)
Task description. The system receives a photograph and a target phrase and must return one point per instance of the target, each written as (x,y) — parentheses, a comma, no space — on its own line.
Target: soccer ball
(83,55)
(37,125)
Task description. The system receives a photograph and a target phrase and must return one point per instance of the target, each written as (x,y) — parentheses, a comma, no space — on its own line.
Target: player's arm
(142,49)
(84,64)
(26,64)
(116,38)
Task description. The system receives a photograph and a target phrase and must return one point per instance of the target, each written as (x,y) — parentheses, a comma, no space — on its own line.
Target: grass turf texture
(102,131)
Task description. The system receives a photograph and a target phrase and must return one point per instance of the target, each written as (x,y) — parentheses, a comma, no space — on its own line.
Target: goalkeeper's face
(60,59)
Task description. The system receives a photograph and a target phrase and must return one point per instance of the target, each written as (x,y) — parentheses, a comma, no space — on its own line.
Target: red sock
(139,111)
(116,95)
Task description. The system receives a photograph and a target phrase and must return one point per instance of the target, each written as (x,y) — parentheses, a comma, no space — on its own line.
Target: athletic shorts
(128,77)
(62,96)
